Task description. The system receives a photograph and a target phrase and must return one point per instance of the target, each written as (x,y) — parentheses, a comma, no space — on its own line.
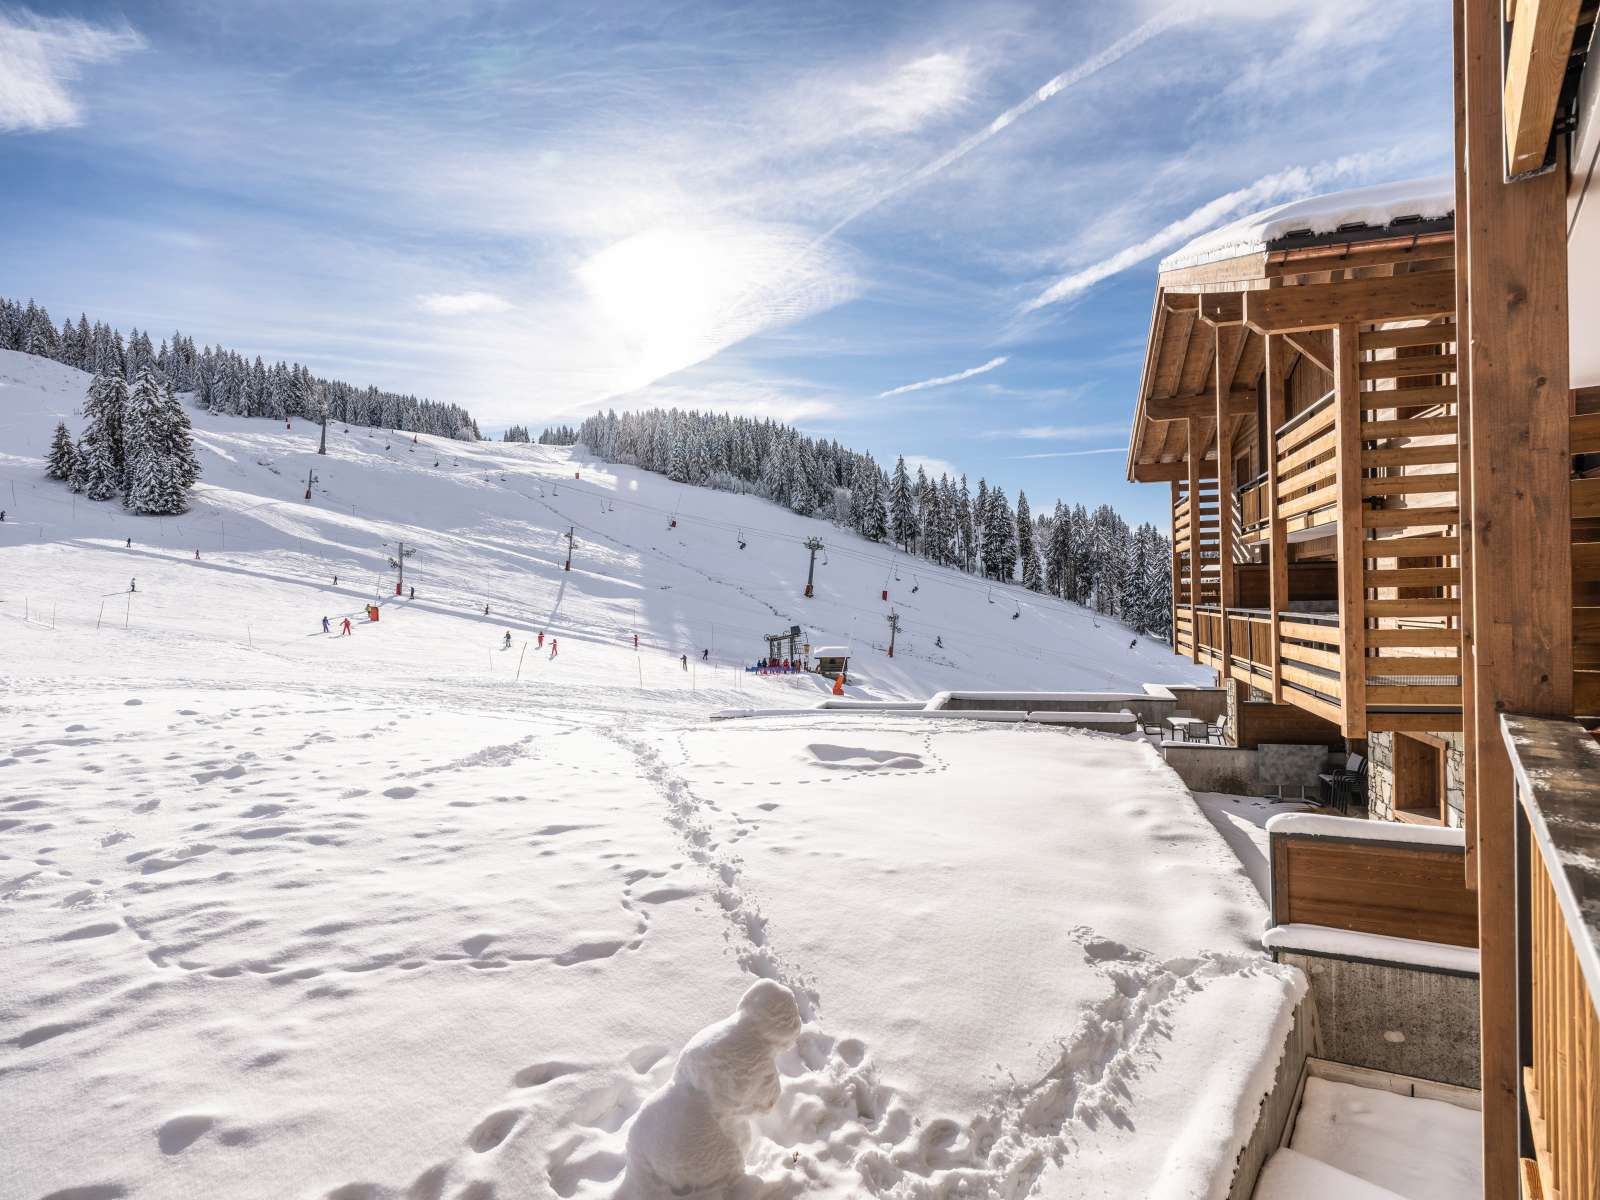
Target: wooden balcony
(1557,778)
(1362,486)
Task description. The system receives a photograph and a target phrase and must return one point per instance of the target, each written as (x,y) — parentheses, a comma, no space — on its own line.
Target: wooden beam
(1177,564)
(1315,344)
(1352,584)
(1511,245)
(1192,461)
(1227,341)
(1324,305)
(1222,308)
(1159,472)
(1199,404)
(1535,66)
(1277,540)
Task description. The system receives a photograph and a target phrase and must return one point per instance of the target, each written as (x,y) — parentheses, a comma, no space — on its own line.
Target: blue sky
(798,210)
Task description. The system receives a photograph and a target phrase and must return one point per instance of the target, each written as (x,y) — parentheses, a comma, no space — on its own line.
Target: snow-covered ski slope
(489,525)
(290,915)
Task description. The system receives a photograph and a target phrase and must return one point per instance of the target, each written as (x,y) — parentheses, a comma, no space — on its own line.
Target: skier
(540,646)
(346,632)
(685,660)
(325,628)
(636,641)
(197,554)
(939,641)
(335,581)
(413,595)
(2,514)
(705,656)
(1133,645)
(552,647)
(486,610)
(507,645)
(129,544)
(133,585)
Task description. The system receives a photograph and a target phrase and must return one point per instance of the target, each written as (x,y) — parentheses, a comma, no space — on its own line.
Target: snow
(1395,1145)
(830,652)
(1373,947)
(1322,825)
(1378,205)
(403,914)
(1242,821)
(693,1132)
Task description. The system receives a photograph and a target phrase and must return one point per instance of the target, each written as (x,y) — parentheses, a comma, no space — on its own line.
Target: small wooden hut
(832,661)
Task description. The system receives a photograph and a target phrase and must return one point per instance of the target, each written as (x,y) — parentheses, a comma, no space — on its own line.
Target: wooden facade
(1385,496)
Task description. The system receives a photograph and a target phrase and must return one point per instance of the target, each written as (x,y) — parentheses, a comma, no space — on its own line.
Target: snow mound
(694,1131)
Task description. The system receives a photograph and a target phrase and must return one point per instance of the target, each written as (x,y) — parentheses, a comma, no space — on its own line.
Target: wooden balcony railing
(1557,772)
(1251,511)
(1307,653)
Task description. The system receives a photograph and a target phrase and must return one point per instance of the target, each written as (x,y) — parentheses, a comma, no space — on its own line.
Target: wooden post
(1464,461)
(1277,539)
(1177,570)
(1511,248)
(1225,343)
(1352,567)
(1193,450)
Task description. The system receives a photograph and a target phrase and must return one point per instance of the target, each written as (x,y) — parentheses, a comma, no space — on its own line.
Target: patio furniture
(1218,732)
(1345,784)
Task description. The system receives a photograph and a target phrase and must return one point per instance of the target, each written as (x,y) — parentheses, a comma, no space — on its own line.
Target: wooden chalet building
(1377,416)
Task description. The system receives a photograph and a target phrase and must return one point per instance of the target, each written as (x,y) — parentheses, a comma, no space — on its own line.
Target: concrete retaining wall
(1267,770)
(1395,1018)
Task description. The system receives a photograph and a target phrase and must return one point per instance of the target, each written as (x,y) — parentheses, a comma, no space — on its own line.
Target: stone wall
(1380,777)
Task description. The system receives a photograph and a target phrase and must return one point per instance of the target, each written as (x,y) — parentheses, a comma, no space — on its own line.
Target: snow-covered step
(1290,1175)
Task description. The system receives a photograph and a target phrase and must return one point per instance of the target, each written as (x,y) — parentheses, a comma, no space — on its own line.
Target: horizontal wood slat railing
(1556,767)
(1365,885)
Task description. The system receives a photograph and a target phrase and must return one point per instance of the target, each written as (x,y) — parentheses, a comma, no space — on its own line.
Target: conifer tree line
(1091,558)
(559,435)
(222,380)
(136,445)
(516,433)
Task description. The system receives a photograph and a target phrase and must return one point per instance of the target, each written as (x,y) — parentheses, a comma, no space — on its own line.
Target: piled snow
(694,1130)
(1358,1142)
(1372,947)
(1378,205)
(1326,825)
(404,914)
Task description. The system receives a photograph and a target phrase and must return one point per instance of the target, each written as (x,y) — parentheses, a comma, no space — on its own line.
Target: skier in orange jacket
(346,632)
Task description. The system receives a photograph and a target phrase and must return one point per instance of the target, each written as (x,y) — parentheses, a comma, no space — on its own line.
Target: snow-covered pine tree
(877,519)
(63,458)
(161,460)
(902,515)
(1027,553)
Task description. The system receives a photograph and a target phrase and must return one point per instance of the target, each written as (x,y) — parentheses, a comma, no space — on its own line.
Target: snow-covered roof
(830,652)
(1400,205)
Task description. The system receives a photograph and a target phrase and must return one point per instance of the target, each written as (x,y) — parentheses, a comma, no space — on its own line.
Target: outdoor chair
(1219,731)
(1345,784)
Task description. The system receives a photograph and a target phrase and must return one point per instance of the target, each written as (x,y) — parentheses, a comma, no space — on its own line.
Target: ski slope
(410,914)
(489,525)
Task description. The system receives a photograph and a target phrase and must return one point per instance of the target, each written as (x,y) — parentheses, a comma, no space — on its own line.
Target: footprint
(178,1134)
(132,703)
(400,793)
(494,1129)
(586,952)
(542,1073)
(89,931)
(91,1191)
(667,895)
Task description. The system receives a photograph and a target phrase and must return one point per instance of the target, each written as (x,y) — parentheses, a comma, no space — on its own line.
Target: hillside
(489,521)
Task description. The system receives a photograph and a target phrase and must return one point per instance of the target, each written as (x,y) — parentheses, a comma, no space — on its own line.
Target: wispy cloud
(940,381)
(41,56)
(1054,433)
(1070,453)
(460,304)
(1283,185)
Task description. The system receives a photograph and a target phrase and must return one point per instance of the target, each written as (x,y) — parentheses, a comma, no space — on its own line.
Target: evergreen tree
(161,460)
(902,517)
(103,416)
(1032,576)
(63,459)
